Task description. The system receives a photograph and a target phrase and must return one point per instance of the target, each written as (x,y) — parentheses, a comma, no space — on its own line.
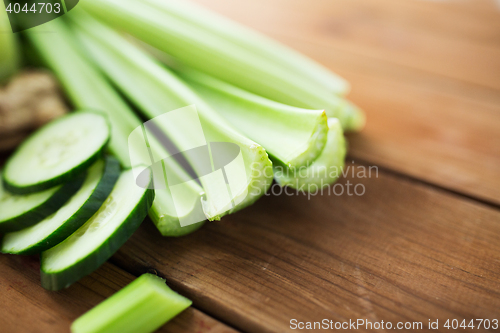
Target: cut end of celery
(169,225)
(167,216)
(141,307)
(259,182)
(315,145)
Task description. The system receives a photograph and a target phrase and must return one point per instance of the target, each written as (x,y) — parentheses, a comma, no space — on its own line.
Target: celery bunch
(87,88)
(155,90)
(277,113)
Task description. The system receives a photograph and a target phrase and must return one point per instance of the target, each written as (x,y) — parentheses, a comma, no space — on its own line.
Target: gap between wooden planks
(401,252)
(26,307)
(423,120)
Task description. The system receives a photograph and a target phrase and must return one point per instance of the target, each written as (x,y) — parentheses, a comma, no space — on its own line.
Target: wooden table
(421,244)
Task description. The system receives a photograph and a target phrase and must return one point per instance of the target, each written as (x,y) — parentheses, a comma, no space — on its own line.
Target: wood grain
(401,252)
(390,30)
(26,307)
(404,64)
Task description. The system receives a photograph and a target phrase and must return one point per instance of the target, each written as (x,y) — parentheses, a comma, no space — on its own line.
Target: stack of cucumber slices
(63,198)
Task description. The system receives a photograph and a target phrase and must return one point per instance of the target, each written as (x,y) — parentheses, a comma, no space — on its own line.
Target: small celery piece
(255,43)
(292,136)
(9,52)
(156,91)
(218,57)
(325,170)
(87,88)
(143,306)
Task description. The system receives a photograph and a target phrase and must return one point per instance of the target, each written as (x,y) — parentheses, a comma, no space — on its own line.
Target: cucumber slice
(57,153)
(100,179)
(21,211)
(100,237)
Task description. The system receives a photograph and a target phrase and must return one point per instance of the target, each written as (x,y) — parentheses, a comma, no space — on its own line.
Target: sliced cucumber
(100,179)
(57,153)
(21,211)
(100,237)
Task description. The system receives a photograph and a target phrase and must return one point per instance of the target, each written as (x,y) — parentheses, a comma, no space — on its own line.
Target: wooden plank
(439,138)
(401,252)
(350,65)
(26,307)
(428,126)
(378,30)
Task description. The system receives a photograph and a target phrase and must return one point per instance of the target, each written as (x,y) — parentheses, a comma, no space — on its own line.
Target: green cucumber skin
(65,177)
(64,278)
(37,214)
(89,208)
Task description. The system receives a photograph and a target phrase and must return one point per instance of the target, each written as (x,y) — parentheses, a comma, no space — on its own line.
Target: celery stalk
(292,136)
(255,43)
(216,56)
(155,90)
(9,52)
(87,88)
(325,170)
(143,306)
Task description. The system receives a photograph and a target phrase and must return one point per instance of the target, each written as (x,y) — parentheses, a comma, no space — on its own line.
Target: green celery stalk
(216,56)
(325,170)
(9,51)
(143,306)
(87,88)
(155,90)
(292,136)
(255,43)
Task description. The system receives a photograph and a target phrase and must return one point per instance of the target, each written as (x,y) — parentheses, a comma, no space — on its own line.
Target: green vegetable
(100,237)
(87,88)
(325,170)
(100,179)
(293,137)
(254,43)
(141,307)
(21,211)
(155,90)
(57,153)
(9,52)
(223,59)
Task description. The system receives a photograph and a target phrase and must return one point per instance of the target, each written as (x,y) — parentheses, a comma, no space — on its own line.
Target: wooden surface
(422,242)
(403,251)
